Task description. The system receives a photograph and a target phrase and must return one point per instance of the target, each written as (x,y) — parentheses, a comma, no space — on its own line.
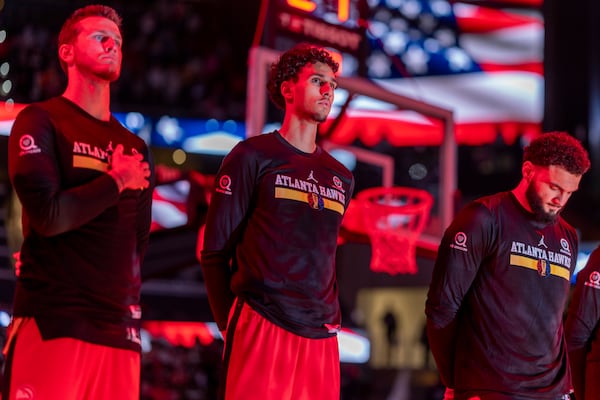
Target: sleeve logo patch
(224,185)
(460,242)
(593,280)
(28,146)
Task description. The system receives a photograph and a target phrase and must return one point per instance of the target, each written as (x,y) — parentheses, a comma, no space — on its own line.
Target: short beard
(537,207)
(317,117)
(110,76)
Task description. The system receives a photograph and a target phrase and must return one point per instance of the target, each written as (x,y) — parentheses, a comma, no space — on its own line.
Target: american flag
(411,38)
(481,59)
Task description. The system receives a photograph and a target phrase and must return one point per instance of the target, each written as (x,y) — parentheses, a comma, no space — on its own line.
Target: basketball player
(501,280)
(84,182)
(581,330)
(269,247)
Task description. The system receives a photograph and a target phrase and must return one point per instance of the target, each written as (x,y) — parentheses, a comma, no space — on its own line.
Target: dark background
(189,58)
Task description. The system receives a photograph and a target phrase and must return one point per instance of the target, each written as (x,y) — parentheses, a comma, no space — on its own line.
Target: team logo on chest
(543,268)
(316,201)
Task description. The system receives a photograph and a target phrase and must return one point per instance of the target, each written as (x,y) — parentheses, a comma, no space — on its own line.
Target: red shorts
(262,361)
(67,369)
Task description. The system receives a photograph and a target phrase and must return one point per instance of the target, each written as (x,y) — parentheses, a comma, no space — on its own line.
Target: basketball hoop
(394,218)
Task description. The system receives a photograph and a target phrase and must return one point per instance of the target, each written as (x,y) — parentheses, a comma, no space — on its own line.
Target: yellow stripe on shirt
(292,194)
(89,163)
(530,263)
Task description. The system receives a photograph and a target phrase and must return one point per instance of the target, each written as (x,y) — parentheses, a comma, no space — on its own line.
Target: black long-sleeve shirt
(496,301)
(83,241)
(582,330)
(272,231)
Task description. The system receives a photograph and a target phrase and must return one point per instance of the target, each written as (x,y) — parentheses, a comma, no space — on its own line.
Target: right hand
(129,171)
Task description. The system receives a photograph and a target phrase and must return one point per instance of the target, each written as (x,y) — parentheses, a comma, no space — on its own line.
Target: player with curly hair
(268,254)
(290,65)
(501,281)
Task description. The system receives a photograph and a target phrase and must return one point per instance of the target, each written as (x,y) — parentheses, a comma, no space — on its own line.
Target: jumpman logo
(109,152)
(311,177)
(541,242)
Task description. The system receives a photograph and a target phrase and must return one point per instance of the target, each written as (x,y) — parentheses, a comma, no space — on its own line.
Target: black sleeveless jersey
(83,242)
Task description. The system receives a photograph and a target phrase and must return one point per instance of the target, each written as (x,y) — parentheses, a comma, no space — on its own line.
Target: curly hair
(70,29)
(559,149)
(291,63)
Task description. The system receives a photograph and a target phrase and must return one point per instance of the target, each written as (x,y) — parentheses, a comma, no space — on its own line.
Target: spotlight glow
(179,156)
(4,69)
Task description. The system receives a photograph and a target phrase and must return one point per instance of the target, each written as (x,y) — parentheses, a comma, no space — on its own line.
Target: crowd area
(176,372)
(178,56)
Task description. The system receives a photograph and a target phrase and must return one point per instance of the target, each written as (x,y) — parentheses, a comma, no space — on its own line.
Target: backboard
(260,60)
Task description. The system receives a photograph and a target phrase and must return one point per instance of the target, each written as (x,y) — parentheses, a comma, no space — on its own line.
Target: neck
(520,194)
(92,96)
(300,134)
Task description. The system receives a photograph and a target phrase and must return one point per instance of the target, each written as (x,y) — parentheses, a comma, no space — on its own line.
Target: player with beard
(85,185)
(501,281)
(268,254)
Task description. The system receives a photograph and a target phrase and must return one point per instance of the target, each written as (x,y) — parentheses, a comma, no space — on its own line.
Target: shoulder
(595,254)
(593,262)
(42,108)
(486,205)
(52,109)
(258,142)
(566,225)
(52,105)
(333,163)
(495,200)
(36,119)
(254,146)
(496,206)
(481,214)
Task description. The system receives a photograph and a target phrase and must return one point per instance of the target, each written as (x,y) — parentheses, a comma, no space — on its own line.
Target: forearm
(577,361)
(51,212)
(442,344)
(217,278)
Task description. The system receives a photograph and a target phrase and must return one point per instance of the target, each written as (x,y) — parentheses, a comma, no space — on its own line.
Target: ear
(286,91)
(65,53)
(527,170)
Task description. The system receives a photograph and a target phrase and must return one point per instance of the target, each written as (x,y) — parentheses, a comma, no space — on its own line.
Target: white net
(394,218)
